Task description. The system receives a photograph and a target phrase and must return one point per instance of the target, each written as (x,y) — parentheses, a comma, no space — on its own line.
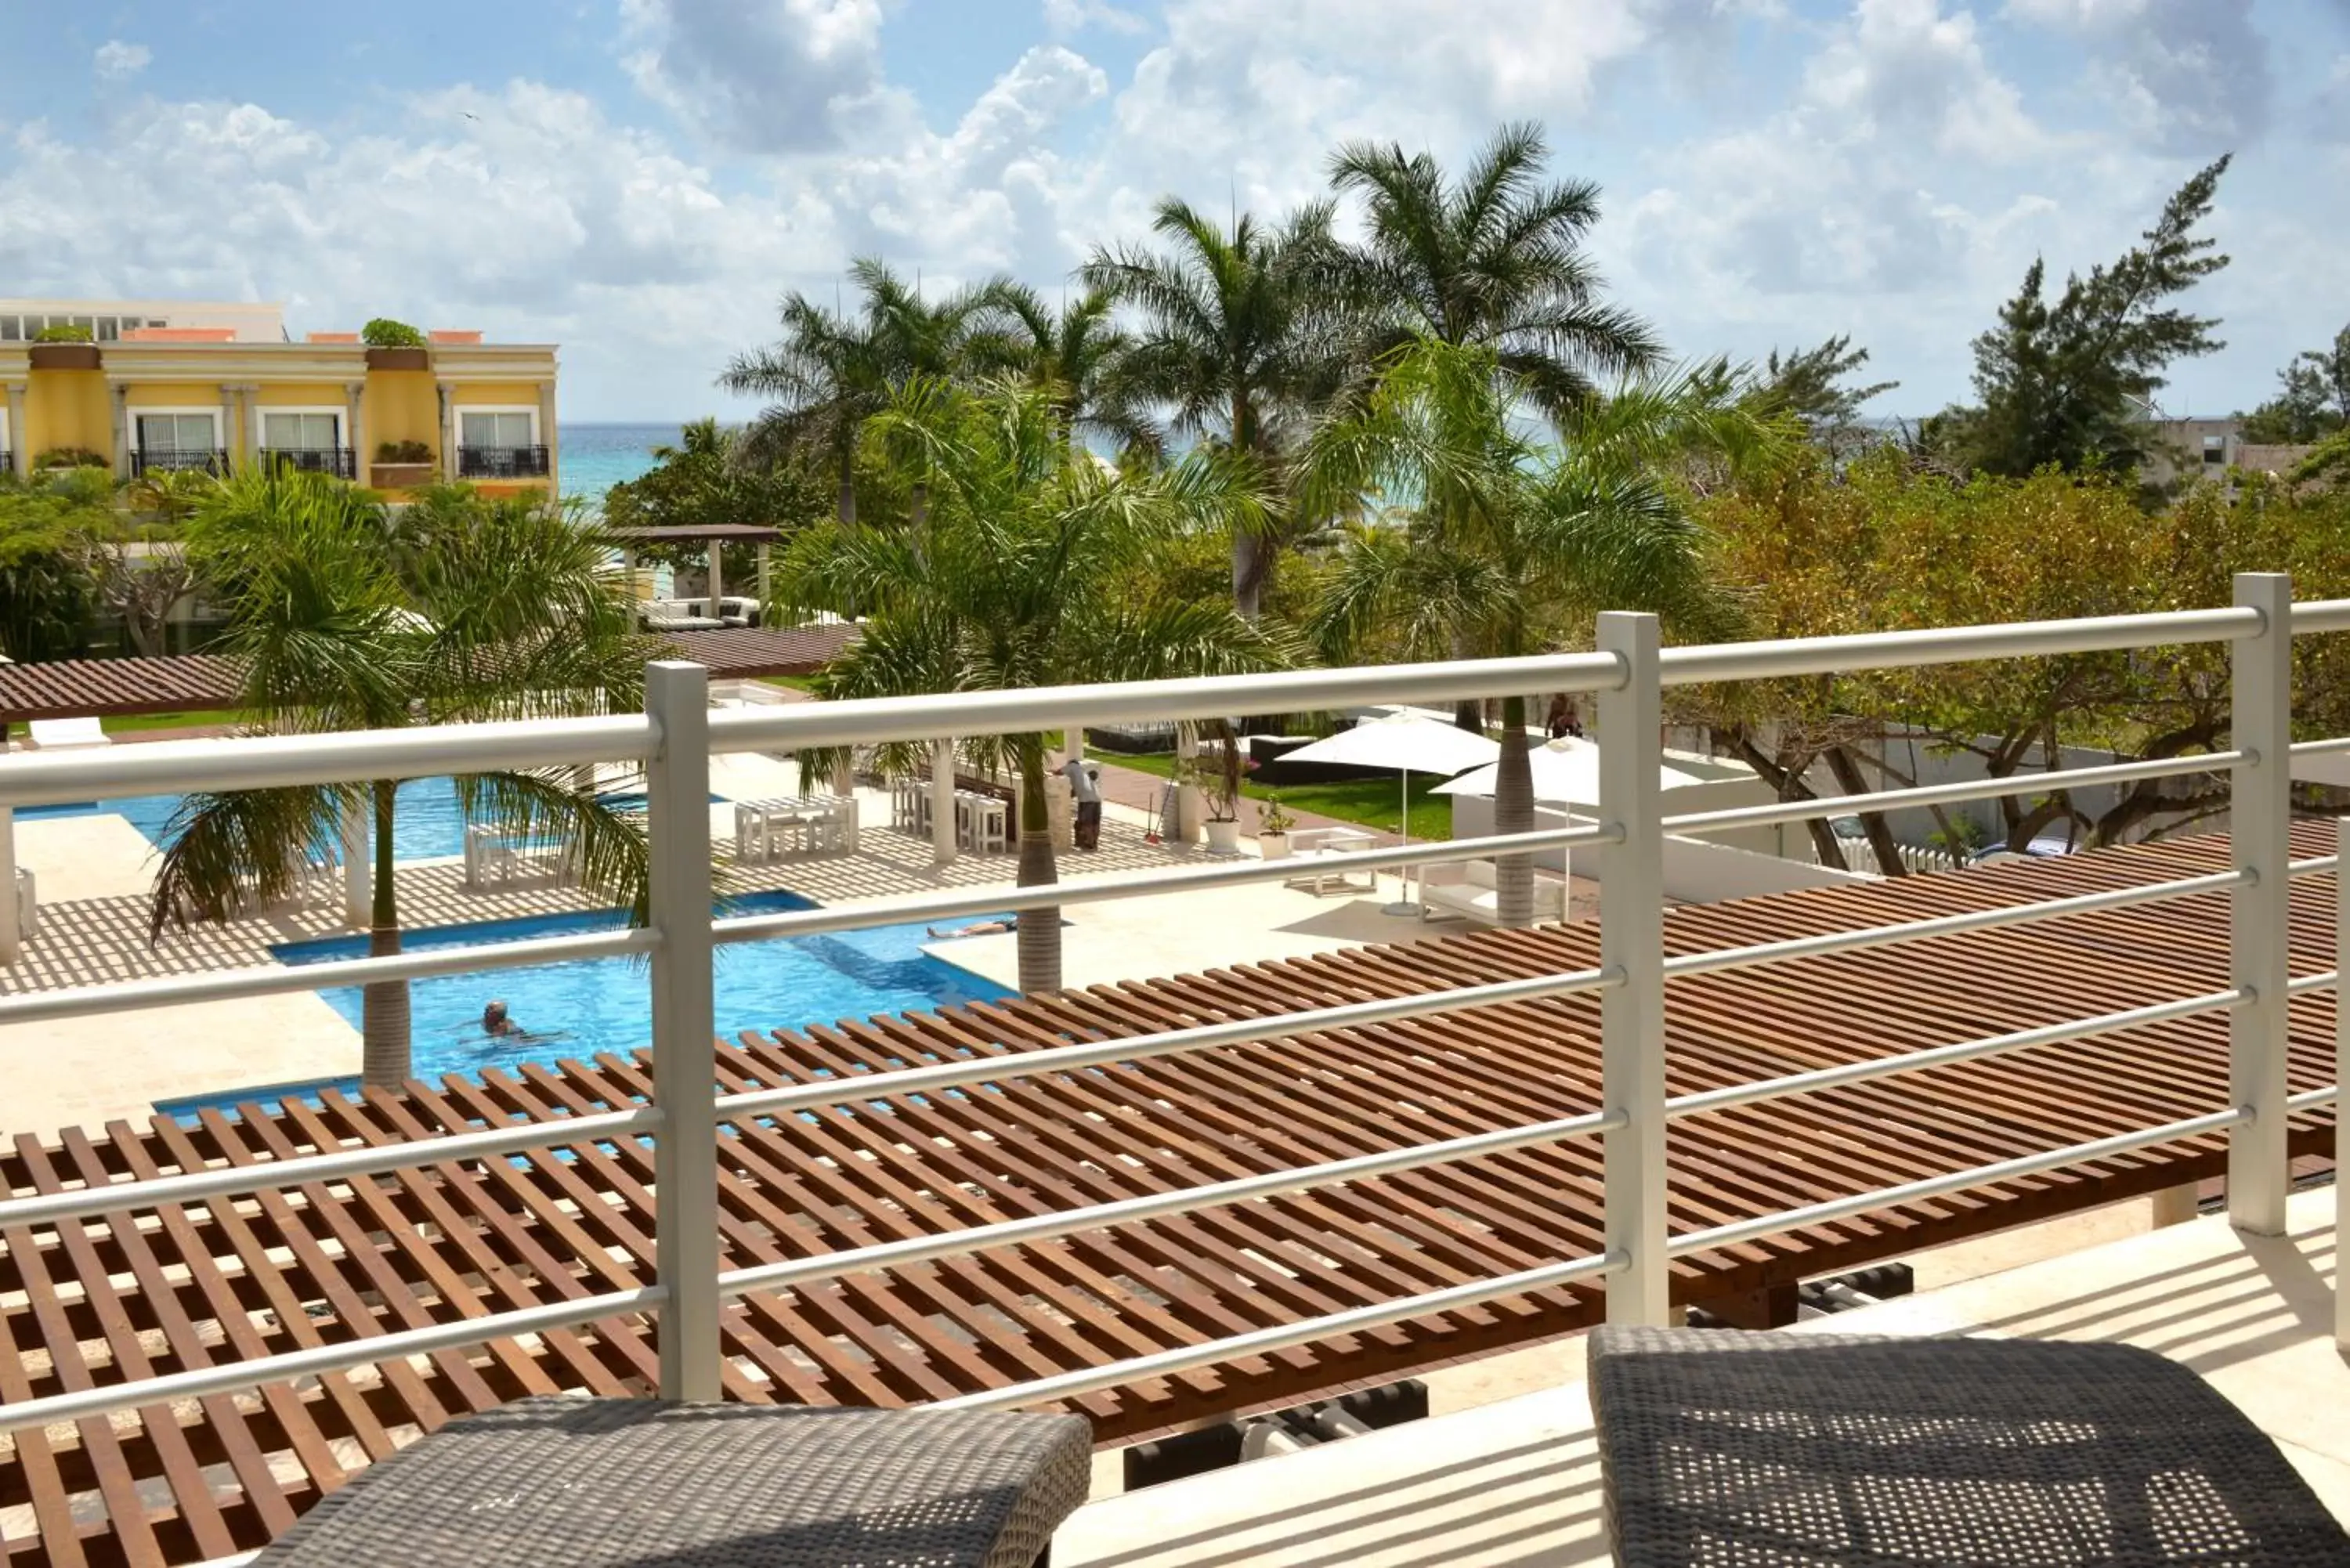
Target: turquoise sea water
(596,457)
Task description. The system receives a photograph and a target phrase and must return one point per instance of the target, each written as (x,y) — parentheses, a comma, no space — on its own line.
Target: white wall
(1695,872)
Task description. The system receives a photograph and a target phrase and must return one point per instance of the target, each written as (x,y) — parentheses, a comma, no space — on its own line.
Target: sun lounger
(600,1483)
(1724,1446)
(57,734)
(1474,898)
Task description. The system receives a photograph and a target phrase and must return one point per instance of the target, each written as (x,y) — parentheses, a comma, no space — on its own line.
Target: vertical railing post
(2260,822)
(2341,1066)
(1631,944)
(685,1151)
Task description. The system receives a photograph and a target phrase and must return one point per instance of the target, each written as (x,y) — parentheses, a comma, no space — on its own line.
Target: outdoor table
(1328,848)
(1733,1447)
(619,1483)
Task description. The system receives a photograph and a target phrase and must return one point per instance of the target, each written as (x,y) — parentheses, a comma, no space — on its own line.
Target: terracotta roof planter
(64,356)
(403,475)
(400,359)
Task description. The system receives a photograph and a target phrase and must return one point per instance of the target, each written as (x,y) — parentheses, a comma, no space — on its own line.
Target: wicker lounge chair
(598,1483)
(1728,1448)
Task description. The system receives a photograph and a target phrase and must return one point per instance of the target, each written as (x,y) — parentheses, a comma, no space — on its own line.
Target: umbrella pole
(1403,905)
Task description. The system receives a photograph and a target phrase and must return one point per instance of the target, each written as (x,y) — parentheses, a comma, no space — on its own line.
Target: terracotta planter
(403,475)
(1273,846)
(398,359)
(64,356)
(1223,837)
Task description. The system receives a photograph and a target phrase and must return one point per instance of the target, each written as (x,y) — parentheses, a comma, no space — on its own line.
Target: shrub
(403,452)
(1273,817)
(65,332)
(72,457)
(383,332)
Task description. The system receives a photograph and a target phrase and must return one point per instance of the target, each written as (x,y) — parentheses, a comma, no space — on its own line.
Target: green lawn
(1369,803)
(187,721)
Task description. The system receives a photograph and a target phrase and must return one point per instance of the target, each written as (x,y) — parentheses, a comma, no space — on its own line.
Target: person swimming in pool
(496,1021)
(981,929)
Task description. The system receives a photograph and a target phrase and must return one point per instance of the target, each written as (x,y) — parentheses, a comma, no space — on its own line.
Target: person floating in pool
(496,1021)
(982,928)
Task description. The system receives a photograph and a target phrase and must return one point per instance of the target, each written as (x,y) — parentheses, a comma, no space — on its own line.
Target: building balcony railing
(1638,1239)
(502,463)
(339,461)
(178,459)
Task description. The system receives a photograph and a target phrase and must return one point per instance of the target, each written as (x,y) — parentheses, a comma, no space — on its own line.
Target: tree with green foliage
(704,481)
(2313,397)
(2071,382)
(47,597)
(831,371)
(1499,546)
(1234,348)
(1076,355)
(1012,586)
(464,609)
(1493,259)
(383,332)
(1812,385)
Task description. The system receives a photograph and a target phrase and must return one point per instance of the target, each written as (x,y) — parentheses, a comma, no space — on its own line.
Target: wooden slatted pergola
(155,1291)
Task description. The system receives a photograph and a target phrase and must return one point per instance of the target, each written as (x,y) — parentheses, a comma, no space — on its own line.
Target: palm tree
(1233,344)
(468,611)
(1015,586)
(1500,546)
(1493,260)
(1076,356)
(830,372)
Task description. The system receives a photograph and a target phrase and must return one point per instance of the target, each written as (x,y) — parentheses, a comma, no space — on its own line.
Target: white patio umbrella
(1408,744)
(1565,771)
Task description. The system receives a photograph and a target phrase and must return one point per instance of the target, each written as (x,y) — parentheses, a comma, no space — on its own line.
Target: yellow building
(170,398)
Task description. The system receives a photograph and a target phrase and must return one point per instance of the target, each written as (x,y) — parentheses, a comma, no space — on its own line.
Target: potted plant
(394,346)
(1274,823)
(403,465)
(1221,782)
(64,347)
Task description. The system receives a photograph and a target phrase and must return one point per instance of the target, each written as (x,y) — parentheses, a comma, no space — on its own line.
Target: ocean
(595,457)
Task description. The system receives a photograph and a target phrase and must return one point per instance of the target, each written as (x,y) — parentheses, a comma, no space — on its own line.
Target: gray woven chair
(600,1483)
(1780,1450)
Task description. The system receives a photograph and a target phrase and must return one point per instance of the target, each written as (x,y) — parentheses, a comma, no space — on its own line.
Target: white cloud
(759,75)
(1064,17)
(2189,77)
(117,61)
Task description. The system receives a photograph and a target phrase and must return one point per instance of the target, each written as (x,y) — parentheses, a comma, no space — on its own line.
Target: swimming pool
(426,823)
(585,1006)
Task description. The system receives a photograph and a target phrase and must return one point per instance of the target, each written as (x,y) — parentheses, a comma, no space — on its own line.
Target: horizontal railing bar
(1943,795)
(2321,615)
(2316,866)
(338,1165)
(2302,984)
(234,1376)
(2310,1100)
(2321,748)
(870,719)
(1948,925)
(1167,1363)
(1143,1047)
(1954,1182)
(1942,1055)
(270,761)
(1768,660)
(1017,900)
(226,985)
(797,1272)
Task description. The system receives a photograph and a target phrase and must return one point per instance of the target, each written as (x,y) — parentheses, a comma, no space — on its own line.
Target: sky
(641,181)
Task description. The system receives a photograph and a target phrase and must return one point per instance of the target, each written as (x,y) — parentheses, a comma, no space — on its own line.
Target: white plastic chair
(58,734)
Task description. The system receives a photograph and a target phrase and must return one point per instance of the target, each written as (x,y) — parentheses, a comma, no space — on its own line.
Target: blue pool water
(585,1006)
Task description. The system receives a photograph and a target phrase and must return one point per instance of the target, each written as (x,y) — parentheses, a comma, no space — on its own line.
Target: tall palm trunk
(1040,930)
(1513,812)
(383,1031)
(848,484)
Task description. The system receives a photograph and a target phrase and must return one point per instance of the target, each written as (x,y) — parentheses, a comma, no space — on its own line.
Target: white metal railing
(677,733)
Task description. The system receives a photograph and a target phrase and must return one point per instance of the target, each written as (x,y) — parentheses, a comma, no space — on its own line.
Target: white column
(2260,811)
(20,449)
(448,436)
(227,431)
(546,436)
(1632,943)
(943,804)
(253,431)
(12,937)
(716,563)
(685,1149)
(359,867)
(1072,743)
(121,400)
